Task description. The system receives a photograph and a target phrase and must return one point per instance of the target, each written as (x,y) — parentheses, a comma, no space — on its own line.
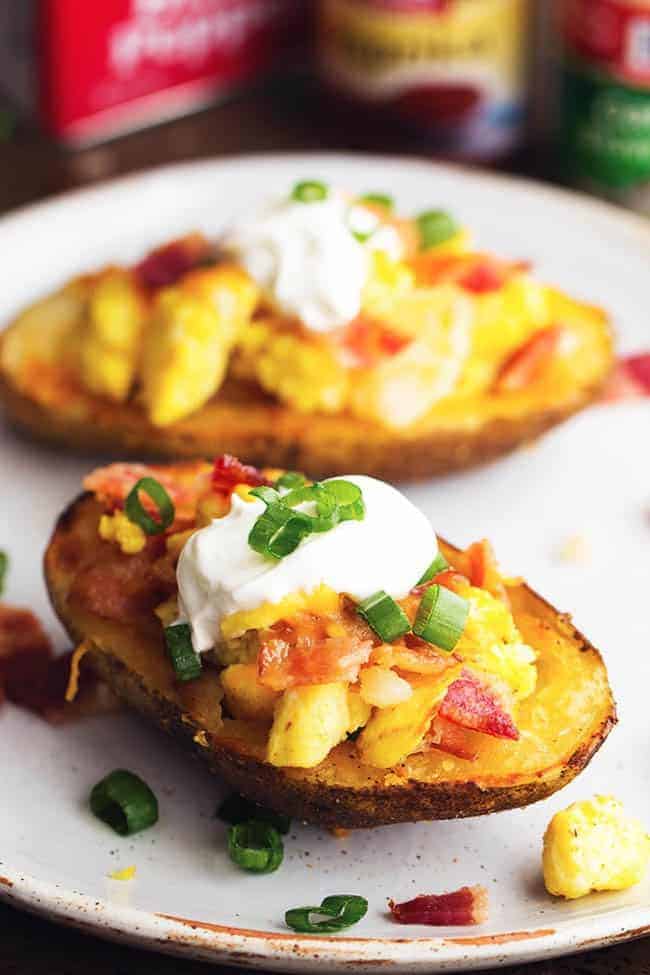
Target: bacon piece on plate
(528,362)
(630,379)
(471,704)
(466,906)
(228,472)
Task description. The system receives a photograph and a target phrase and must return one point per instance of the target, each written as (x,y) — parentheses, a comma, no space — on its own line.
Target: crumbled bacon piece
(630,379)
(228,471)
(476,273)
(122,588)
(451,738)
(165,265)
(302,652)
(366,342)
(185,484)
(470,704)
(466,906)
(529,362)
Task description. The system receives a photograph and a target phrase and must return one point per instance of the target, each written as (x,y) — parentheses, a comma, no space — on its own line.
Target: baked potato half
(561,725)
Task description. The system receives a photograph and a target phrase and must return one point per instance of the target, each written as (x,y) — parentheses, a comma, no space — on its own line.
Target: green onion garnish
(384,616)
(255,846)
(438,565)
(435,227)
(4,565)
(290,479)
(335,913)
(280,529)
(185,661)
(238,809)
(124,802)
(381,199)
(136,513)
(309,191)
(441,617)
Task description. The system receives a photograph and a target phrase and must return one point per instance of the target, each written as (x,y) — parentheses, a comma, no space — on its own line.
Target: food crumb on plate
(126,873)
(575,550)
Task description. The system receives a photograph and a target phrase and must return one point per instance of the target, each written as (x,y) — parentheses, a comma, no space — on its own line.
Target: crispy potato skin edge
(265,433)
(327,806)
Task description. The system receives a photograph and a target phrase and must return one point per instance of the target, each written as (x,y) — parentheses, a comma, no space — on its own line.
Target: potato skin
(314,795)
(244,421)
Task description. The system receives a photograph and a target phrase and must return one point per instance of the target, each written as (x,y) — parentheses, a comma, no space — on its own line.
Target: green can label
(606,129)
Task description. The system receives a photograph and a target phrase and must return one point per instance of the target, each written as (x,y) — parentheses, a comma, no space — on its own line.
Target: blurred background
(556,89)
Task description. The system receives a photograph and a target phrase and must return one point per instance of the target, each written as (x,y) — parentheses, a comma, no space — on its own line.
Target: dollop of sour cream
(219,573)
(307,259)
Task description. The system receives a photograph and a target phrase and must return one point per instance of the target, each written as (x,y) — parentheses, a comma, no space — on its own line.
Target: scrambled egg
(322,601)
(593,845)
(118,528)
(492,642)
(111,337)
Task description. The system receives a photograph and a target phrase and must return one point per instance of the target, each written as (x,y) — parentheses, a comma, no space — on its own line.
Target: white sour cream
(307,260)
(219,573)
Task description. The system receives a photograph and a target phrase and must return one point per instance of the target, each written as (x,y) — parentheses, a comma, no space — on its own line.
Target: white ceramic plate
(590,477)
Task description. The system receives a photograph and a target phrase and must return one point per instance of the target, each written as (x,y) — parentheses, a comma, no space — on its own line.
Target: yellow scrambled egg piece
(593,845)
(188,341)
(311,720)
(117,528)
(322,601)
(492,643)
(111,337)
(127,873)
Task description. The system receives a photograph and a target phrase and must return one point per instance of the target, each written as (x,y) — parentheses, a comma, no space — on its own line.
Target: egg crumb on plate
(593,845)
(126,873)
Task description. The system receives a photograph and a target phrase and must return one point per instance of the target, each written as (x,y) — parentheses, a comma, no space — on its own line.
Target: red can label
(611,34)
(103,64)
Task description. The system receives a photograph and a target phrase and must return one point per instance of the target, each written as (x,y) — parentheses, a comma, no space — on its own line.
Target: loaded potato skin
(446,357)
(224,718)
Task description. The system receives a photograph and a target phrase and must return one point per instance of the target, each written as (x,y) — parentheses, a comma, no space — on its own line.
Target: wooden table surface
(31,168)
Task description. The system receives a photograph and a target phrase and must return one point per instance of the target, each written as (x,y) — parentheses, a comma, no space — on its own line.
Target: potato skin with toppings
(243,421)
(341,792)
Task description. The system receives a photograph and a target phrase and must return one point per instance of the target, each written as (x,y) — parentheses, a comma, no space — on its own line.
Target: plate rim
(283,950)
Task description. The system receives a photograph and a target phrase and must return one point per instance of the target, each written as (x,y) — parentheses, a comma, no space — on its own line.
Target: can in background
(90,70)
(605,115)
(452,73)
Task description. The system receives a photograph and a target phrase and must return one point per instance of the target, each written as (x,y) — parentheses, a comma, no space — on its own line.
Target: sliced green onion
(255,846)
(309,191)
(136,513)
(435,227)
(266,494)
(441,617)
(124,802)
(185,661)
(438,565)
(335,913)
(4,565)
(279,531)
(238,809)
(381,199)
(349,499)
(384,616)
(289,480)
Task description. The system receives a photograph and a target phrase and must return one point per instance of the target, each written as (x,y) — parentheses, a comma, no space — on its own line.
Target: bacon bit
(185,484)
(530,361)
(228,471)
(166,264)
(479,564)
(476,273)
(415,656)
(630,379)
(301,652)
(367,341)
(450,738)
(450,579)
(466,906)
(470,704)
(72,689)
